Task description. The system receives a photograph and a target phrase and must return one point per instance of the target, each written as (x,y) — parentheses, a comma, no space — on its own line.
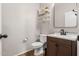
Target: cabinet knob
(56,45)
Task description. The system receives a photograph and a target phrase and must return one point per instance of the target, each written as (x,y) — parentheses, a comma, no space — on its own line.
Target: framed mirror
(65,15)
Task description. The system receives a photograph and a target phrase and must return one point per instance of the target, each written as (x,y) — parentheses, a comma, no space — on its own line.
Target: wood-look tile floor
(30,53)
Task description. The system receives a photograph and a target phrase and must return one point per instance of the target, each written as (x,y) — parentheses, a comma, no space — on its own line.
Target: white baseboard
(22,52)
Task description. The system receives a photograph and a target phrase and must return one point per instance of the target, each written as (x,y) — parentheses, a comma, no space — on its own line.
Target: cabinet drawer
(52,39)
(59,41)
(65,42)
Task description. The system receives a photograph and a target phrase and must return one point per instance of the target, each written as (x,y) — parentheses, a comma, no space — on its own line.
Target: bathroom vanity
(61,45)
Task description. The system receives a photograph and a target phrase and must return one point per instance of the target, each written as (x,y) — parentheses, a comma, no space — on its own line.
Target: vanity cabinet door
(74,48)
(60,47)
(63,50)
(51,48)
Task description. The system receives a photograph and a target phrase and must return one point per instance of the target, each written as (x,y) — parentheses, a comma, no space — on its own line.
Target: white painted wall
(21,20)
(46,25)
(53,29)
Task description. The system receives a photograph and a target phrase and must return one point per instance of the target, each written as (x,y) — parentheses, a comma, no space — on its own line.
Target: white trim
(23,52)
(0,29)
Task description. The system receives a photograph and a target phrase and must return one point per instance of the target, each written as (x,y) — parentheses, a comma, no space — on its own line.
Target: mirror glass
(65,15)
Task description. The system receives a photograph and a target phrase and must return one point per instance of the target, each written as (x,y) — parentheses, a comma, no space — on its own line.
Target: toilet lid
(37,44)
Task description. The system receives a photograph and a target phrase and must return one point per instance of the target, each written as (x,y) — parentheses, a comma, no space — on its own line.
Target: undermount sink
(67,36)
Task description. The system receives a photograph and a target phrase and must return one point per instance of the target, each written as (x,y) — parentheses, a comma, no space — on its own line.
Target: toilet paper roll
(25,39)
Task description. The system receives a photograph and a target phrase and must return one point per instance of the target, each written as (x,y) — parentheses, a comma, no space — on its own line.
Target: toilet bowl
(38,46)
(38,49)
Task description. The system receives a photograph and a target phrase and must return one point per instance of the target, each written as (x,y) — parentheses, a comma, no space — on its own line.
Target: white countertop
(72,37)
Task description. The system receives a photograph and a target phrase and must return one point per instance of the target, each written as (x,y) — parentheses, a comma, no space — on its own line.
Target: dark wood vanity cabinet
(61,47)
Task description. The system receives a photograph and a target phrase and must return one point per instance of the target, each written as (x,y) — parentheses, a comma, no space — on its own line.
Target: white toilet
(38,46)
(38,49)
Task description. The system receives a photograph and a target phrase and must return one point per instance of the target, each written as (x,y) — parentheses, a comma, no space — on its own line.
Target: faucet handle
(62,30)
(65,33)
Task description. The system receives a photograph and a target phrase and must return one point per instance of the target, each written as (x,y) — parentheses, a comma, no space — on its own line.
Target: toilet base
(38,51)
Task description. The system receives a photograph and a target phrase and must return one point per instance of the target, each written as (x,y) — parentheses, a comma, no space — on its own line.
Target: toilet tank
(43,38)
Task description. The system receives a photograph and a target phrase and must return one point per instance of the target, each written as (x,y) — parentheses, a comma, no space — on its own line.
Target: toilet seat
(38,49)
(37,44)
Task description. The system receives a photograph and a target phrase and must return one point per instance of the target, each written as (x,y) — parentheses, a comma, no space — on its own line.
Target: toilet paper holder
(25,40)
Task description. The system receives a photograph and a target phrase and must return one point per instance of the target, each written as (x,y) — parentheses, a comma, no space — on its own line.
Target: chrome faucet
(62,32)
